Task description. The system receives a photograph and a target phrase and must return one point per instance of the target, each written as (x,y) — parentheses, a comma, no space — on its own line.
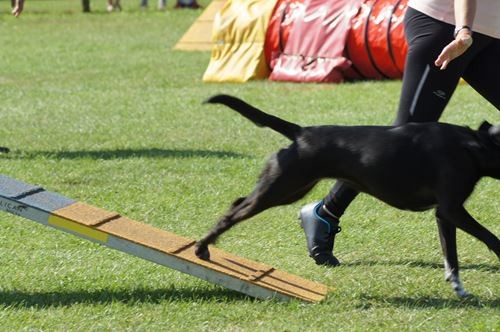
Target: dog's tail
(261,119)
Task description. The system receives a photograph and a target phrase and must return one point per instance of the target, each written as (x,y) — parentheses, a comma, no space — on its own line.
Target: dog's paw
(4,149)
(463,294)
(202,252)
(459,289)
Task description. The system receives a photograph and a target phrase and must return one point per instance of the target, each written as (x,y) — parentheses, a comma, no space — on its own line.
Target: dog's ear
(494,132)
(484,126)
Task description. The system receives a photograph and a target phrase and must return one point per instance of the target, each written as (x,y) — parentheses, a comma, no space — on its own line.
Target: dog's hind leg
(241,209)
(266,195)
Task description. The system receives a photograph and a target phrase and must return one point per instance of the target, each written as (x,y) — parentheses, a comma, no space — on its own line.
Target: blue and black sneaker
(320,234)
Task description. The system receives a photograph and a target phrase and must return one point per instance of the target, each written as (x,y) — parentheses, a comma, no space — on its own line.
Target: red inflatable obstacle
(397,41)
(376,44)
(282,21)
(319,40)
(314,51)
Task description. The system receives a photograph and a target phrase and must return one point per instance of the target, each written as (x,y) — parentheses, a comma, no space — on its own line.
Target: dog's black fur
(414,167)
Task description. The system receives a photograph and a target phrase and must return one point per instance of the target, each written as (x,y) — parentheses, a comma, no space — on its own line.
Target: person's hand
(18,8)
(456,48)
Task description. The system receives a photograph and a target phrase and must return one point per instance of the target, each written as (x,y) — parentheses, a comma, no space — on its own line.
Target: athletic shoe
(320,234)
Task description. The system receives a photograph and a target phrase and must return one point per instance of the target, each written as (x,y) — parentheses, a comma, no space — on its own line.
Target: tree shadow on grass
(125,154)
(22,299)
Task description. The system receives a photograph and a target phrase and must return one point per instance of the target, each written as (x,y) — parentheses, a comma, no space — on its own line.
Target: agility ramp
(115,231)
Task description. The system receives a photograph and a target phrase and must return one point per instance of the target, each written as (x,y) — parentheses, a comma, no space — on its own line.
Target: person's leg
(320,222)
(426,90)
(162,4)
(338,199)
(483,72)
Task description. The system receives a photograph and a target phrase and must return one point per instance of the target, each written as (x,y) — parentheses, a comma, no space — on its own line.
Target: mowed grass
(98,107)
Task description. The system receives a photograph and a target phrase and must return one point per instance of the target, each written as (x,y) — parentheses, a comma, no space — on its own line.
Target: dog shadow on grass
(422,264)
(125,154)
(426,302)
(25,299)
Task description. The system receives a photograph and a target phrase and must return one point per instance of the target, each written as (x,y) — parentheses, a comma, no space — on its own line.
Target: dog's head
(487,150)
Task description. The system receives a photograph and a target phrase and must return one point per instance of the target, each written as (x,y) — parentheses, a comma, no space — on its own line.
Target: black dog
(411,167)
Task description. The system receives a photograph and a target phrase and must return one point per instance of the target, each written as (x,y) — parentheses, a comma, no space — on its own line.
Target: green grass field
(99,108)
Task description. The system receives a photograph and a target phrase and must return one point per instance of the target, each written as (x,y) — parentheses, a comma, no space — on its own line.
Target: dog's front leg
(463,220)
(456,215)
(448,239)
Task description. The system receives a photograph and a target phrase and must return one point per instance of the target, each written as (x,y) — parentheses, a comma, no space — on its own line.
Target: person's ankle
(324,213)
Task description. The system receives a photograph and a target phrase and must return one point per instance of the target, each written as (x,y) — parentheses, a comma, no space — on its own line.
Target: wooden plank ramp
(121,233)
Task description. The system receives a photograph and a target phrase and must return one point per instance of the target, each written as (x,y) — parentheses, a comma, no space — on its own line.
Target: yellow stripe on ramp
(78,228)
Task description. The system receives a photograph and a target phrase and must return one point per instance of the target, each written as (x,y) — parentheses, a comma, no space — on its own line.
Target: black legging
(426,89)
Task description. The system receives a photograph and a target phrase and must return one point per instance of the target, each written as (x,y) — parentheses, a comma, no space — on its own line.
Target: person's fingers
(444,64)
(442,57)
(453,50)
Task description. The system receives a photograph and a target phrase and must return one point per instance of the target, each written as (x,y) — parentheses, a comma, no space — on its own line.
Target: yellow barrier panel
(238,41)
